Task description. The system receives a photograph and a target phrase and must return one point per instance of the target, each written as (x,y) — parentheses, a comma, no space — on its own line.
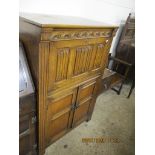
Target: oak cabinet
(67,62)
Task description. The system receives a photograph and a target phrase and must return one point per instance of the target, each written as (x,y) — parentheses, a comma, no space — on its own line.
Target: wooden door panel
(84,99)
(70,59)
(63,56)
(98,56)
(83,57)
(58,63)
(81,112)
(86,91)
(59,114)
(58,125)
(60,105)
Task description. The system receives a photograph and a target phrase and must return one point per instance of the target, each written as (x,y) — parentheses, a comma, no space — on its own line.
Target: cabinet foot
(88,119)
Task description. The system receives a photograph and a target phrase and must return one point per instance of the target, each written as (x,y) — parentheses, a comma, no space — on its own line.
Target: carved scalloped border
(72,35)
(78,35)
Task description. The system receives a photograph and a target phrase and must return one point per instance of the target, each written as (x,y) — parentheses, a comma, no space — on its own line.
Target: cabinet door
(75,60)
(59,114)
(85,98)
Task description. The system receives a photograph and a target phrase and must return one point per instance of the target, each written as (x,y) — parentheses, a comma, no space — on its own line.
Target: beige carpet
(111,128)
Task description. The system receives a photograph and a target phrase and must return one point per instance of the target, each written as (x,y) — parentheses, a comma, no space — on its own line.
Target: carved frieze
(71,35)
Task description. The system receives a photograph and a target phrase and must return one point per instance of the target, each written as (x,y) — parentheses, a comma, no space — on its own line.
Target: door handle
(73,107)
(77,106)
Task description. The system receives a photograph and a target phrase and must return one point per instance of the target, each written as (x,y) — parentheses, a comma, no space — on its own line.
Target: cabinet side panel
(42,94)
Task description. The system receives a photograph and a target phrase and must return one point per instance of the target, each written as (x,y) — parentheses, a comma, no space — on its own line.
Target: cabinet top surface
(44,20)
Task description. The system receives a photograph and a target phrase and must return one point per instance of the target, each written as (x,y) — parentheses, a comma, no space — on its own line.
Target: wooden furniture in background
(27,108)
(27,125)
(67,57)
(106,79)
(113,79)
(126,47)
(126,50)
(131,55)
(123,66)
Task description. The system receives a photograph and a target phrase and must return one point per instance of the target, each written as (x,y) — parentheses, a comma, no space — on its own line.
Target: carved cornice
(62,35)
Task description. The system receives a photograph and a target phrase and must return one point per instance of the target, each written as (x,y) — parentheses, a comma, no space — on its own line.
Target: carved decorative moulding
(70,35)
